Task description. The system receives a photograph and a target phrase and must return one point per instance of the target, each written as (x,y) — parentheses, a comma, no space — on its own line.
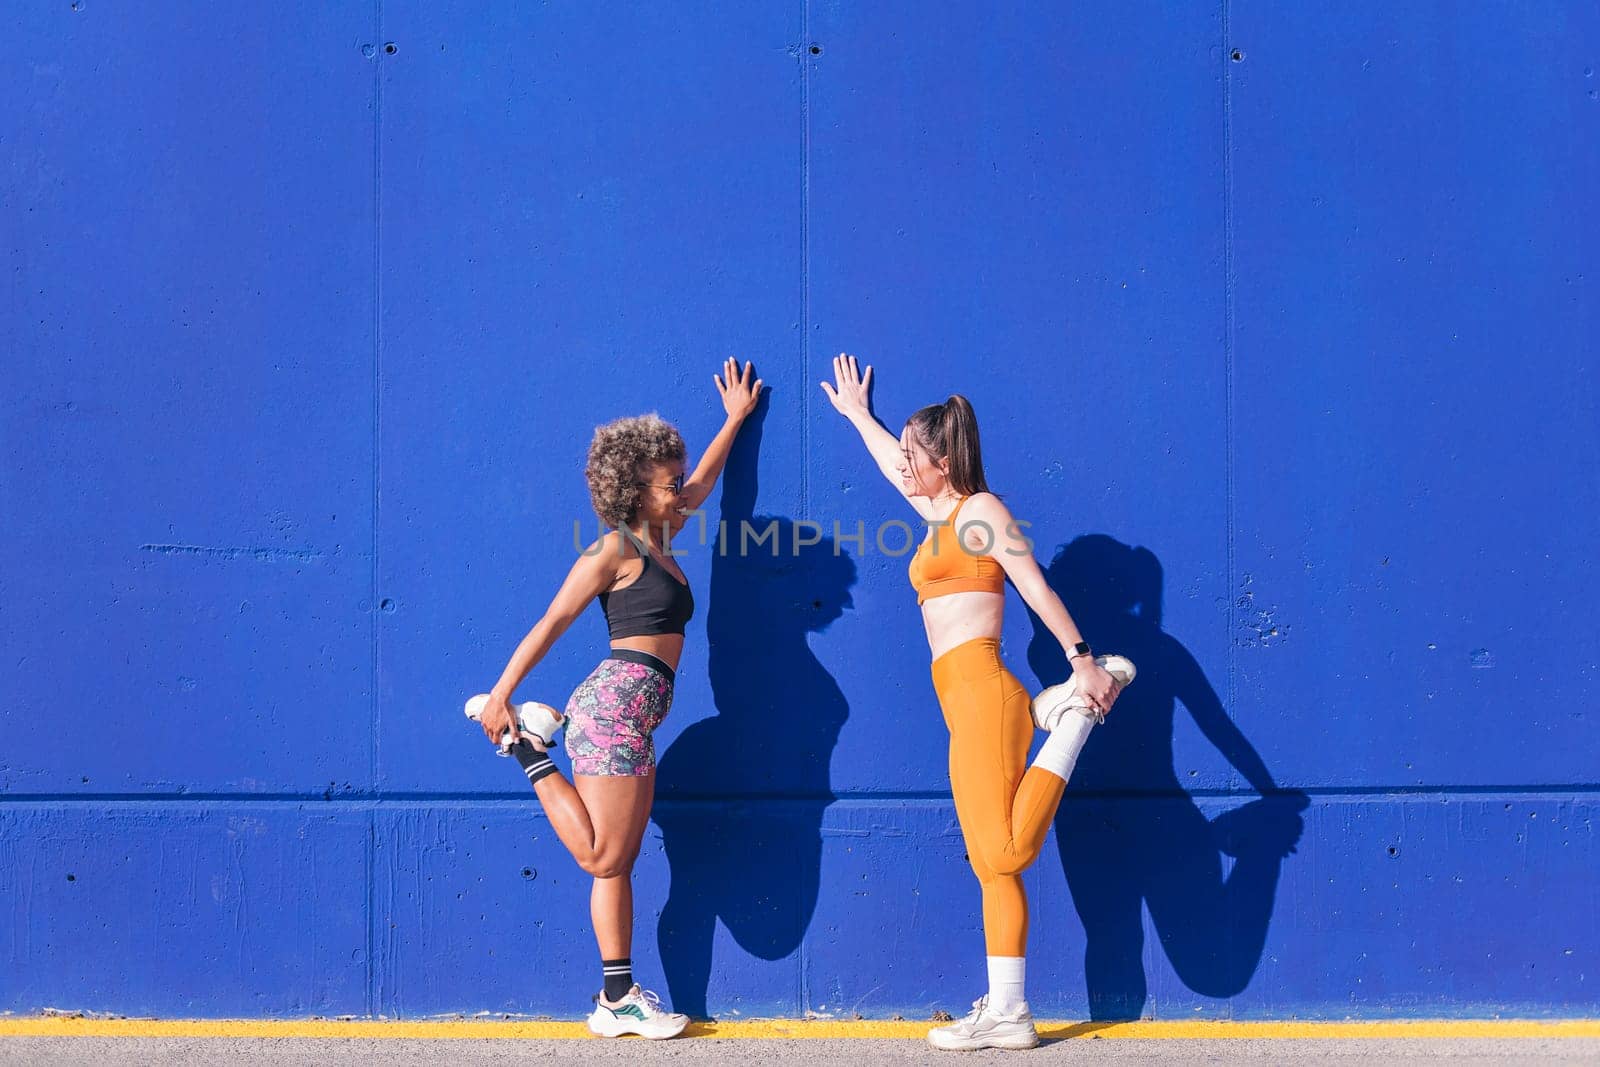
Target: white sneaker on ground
(640,1012)
(986,1029)
(538,722)
(1053,703)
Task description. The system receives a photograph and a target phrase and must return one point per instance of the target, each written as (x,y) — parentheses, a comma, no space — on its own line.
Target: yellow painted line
(70,1026)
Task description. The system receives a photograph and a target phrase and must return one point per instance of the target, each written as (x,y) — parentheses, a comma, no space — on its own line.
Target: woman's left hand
(739,393)
(1095,683)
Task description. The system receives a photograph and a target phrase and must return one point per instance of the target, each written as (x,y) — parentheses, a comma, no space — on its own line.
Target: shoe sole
(1010,1044)
(625,1031)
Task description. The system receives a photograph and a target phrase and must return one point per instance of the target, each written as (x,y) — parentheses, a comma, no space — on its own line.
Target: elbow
(694,494)
(1030,588)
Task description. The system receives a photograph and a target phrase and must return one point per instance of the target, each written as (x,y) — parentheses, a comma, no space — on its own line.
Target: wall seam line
(357,799)
(377,441)
(805,350)
(1226,59)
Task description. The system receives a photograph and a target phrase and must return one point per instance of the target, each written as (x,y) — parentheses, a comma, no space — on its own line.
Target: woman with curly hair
(959,574)
(637,486)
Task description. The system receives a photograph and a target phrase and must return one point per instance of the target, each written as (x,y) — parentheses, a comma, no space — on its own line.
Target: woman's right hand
(497,718)
(849,389)
(1096,684)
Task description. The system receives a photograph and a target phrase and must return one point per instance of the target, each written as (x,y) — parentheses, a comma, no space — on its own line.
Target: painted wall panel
(188,440)
(177,909)
(578,271)
(1414,337)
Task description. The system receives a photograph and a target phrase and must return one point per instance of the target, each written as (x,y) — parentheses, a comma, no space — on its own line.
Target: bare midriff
(956,618)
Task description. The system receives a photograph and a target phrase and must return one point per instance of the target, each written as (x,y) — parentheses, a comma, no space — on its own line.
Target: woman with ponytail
(1005,806)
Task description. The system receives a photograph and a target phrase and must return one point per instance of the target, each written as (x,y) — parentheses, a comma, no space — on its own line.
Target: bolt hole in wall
(390,49)
(816,49)
(1238,56)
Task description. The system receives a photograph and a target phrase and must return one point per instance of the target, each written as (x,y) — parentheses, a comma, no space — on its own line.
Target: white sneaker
(986,1029)
(640,1012)
(538,722)
(1054,703)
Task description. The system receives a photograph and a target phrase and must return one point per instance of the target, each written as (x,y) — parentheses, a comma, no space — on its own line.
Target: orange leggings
(1005,807)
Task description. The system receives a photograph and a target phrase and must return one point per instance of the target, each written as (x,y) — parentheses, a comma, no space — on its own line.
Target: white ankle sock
(1059,753)
(1005,983)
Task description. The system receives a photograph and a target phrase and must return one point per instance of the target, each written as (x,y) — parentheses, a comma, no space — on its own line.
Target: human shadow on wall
(1130,836)
(743,792)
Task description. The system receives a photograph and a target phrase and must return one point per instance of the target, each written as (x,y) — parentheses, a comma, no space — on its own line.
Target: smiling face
(920,473)
(661,496)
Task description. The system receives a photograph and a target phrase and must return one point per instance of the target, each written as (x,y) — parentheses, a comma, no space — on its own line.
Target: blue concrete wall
(1280,323)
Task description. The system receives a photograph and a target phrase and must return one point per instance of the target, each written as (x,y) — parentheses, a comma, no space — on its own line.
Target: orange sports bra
(942,565)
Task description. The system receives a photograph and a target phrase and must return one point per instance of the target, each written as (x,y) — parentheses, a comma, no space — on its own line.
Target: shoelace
(652,1002)
(977,1009)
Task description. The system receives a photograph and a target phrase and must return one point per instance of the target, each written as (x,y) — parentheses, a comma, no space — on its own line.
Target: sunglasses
(676,486)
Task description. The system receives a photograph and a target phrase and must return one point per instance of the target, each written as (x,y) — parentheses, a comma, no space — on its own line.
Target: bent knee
(1006,860)
(608,864)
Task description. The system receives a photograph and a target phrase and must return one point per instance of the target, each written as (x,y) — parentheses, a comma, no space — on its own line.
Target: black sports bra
(656,603)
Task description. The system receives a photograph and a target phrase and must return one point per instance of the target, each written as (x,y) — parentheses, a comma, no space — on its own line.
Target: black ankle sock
(535,764)
(619,978)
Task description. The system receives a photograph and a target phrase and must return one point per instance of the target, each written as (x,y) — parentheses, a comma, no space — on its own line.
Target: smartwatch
(1080,649)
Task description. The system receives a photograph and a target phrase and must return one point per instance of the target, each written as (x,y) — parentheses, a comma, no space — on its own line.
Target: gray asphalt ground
(855,1052)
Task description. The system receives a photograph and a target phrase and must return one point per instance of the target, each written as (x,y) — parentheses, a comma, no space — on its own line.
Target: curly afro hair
(616,455)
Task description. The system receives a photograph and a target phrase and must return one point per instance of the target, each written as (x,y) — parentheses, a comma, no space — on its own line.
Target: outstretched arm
(998,534)
(739,396)
(849,394)
(593,573)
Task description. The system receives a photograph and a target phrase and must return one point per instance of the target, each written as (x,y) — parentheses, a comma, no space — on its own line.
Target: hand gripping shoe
(1053,704)
(538,722)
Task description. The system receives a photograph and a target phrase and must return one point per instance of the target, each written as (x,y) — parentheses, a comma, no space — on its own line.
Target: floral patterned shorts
(613,713)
